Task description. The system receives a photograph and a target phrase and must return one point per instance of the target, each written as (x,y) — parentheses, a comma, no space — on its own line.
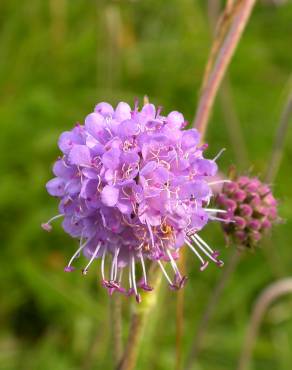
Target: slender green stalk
(240,16)
(135,335)
(138,320)
(232,123)
(211,305)
(278,147)
(227,103)
(116,323)
(268,296)
(180,317)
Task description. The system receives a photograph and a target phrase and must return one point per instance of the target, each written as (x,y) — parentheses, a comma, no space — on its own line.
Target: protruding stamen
(218,182)
(151,234)
(164,272)
(85,270)
(130,278)
(137,295)
(114,268)
(227,221)
(47,225)
(118,284)
(213,255)
(219,154)
(183,281)
(204,263)
(180,282)
(102,264)
(70,268)
(143,283)
(143,268)
(203,242)
(215,210)
(173,264)
(204,266)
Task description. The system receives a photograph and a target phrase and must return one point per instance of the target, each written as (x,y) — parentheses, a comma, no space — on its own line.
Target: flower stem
(138,321)
(237,15)
(212,303)
(180,316)
(268,296)
(232,123)
(281,134)
(225,95)
(116,323)
(132,348)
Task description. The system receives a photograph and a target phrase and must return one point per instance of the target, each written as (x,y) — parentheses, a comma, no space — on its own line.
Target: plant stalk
(278,147)
(116,324)
(180,316)
(138,321)
(268,296)
(239,13)
(211,306)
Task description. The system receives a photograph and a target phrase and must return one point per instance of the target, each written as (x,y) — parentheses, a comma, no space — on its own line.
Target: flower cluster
(252,207)
(134,186)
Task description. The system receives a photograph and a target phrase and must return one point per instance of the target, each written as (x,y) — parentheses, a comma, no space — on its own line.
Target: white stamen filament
(77,253)
(92,258)
(198,241)
(203,242)
(219,182)
(151,234)
(102,263)
(133,276)
(173,264)
(114,268)
(130,277)
(215,210)
(143,269)
(55,218)
(219,154)
(164,272)
(213,218)
(196,252)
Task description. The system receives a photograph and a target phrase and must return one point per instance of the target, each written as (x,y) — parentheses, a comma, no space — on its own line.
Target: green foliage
(57,59)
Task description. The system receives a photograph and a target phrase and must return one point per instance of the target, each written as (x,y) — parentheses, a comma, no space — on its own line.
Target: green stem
(240,17)
(116,323)
(212,303)
(138,321)
(281,134)
(265,299)
(134,339)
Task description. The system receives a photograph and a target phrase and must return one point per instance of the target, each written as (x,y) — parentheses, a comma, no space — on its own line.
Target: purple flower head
(134,187)
(251,206)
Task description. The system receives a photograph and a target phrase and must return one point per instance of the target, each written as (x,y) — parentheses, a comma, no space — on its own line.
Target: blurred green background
(58,58)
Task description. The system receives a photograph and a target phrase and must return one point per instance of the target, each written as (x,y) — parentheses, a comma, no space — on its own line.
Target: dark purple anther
(69,269)
(204,266)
